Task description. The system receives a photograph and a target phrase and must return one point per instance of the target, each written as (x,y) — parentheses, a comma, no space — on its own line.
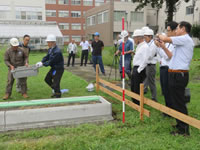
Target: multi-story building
(69,15)
(107,19)
(22,10)
(20,17)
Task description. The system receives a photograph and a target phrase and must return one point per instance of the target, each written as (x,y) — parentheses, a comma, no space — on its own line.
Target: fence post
(141,101)
(97,78)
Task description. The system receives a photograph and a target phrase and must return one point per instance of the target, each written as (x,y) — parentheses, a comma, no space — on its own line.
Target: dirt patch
(49,105)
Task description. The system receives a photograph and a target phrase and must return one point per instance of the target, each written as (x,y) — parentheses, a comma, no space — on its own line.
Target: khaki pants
(10,82)
(18,85)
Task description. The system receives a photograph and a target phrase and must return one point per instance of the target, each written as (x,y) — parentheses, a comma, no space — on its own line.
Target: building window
(91,20)
(66,38)
(76,26)
(75,14)
(77,38)
(119,14)
(75,2)
(137,16)
(83,26)
(65,2)
(189,10)
(64,26)
(33,15)
(50,13)
(99,2)
(50,1)
(88,2)
(102,17)
(4,12)
(63,13)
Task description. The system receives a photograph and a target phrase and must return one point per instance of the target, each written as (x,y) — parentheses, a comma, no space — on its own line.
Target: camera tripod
(115,63)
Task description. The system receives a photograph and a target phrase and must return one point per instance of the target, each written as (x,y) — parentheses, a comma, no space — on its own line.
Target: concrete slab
(62,115)
(2,121)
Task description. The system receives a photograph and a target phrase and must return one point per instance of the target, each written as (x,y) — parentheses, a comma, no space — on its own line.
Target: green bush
(196,31)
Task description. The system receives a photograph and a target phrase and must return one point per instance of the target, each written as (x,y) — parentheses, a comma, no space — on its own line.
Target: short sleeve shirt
(97,48)
(183,52)
(128,47)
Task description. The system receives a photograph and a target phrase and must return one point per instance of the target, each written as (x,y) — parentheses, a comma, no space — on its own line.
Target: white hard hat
(124,33)
(145,28)
(51,38)
(138,32)
(149,32)
(14,42)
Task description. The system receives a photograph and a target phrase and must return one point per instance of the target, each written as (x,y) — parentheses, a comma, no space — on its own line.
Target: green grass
(151,134)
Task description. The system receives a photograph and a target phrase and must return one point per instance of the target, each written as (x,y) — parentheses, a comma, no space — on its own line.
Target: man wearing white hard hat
(150,80)
(55,60)
(139,62)
(15,57)
(128,49)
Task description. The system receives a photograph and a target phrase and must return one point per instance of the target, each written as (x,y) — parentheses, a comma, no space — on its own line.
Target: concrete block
(61,115)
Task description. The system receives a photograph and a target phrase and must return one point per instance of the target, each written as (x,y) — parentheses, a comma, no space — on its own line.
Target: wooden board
(128,102)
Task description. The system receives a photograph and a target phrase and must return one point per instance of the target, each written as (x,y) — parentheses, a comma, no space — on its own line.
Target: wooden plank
(128,102)
(97,78)
(141,101)
(185,118)
(119,89)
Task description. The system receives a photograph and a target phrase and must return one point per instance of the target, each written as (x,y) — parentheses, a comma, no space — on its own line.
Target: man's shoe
(178,132)
(25,95)
(104,74)
(57,95)
(6,96)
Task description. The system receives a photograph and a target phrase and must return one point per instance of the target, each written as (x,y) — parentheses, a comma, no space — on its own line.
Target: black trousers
(177,85)
(69,59)
(53,79)
(164,85)
(136,80)
(84,55)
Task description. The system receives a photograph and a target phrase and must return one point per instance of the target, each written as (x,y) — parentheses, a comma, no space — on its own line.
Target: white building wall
(10,6)
(128,7)
(180,15)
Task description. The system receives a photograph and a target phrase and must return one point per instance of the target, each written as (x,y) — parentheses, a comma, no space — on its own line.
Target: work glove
(39,64)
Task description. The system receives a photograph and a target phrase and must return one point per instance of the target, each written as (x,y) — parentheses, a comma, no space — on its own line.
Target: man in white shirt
(85,48)
(72,50)
(165,60)
(179,71)
(139,62)
(151,67)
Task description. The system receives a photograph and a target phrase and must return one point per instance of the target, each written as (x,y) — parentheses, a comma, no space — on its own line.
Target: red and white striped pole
(123,74)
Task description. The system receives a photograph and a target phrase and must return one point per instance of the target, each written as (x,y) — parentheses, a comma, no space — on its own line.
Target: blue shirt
(128,47)
(183,52)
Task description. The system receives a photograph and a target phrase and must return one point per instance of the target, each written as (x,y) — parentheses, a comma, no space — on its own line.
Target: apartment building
(69,15)
(107,20)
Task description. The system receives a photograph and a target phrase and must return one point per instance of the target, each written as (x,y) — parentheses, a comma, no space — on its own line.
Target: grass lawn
(151,134)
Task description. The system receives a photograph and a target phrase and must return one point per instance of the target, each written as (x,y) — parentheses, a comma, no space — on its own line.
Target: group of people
(174,52)
(17,55)
(94,46)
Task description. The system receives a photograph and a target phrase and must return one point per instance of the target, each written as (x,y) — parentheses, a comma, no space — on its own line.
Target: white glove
(39,64)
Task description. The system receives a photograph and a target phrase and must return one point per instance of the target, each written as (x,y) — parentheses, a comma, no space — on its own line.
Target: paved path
(88,72)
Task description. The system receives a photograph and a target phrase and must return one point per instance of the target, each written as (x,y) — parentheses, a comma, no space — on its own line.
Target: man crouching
(55,60)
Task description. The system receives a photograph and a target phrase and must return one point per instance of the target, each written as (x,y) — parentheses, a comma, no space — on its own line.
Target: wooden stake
(128,102)
(97,78)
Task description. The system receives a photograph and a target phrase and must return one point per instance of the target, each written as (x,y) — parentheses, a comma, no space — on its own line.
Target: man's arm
(165,38)
(166,50)
(7,60)
(25,58)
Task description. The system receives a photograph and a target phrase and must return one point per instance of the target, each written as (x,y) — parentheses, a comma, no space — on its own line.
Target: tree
(171,6)
(196,31)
